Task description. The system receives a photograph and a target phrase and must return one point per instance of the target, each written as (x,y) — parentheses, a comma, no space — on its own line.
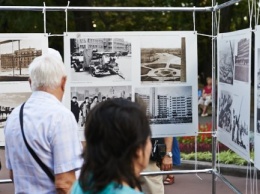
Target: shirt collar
(42,94)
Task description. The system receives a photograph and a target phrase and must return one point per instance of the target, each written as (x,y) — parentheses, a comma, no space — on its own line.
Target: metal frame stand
(214,8)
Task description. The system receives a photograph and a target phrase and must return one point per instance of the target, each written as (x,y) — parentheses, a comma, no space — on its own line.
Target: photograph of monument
(164,64)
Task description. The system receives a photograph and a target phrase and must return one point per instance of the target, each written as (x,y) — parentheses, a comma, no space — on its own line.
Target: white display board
(159,67)
(16,53)
(234,70)
(257,99)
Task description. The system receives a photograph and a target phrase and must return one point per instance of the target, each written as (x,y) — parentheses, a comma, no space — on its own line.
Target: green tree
(232,18)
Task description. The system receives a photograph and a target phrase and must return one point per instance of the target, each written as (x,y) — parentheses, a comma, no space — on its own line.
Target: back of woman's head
(115,130)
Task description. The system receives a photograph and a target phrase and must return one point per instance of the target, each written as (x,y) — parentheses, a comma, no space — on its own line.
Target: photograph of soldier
(84,109)
(225,115)
(226,61)
(75,108)
(240,126)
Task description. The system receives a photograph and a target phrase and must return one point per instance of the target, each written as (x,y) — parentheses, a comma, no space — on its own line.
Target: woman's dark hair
(114,131)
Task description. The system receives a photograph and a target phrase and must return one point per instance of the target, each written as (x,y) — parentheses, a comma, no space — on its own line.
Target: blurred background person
(176,161)
(206,98)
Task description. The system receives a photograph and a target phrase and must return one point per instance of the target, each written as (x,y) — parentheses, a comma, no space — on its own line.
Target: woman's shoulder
(121,190)
(76,189)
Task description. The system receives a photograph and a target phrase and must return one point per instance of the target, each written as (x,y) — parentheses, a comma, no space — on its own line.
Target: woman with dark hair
(117,134)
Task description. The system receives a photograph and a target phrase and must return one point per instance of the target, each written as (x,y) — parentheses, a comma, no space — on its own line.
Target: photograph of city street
(242,60)
(226,61)
(100,59)
(164,64)
(83,99)
(8,101)
(15,57)
(167,105)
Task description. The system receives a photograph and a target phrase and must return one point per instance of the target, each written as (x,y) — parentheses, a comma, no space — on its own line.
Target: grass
(224,157)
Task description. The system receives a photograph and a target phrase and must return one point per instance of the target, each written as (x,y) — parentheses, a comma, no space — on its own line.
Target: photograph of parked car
(100,59)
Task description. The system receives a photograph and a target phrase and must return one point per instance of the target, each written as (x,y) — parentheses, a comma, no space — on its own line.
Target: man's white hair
(46,72)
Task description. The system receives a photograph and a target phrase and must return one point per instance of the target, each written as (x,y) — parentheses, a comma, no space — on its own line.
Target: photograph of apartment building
(167,105)
(242,60)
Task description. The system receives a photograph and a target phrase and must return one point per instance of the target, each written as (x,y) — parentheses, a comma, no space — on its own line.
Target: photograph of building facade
(19,59)
(101,44)
(17,54)
(167,108)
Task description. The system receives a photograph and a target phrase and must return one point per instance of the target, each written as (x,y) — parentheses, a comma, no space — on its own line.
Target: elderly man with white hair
(42,126)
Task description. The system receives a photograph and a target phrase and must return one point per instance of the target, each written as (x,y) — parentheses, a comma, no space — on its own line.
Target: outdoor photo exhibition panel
(234,67)
(16,53)
(257,99)
(158,67)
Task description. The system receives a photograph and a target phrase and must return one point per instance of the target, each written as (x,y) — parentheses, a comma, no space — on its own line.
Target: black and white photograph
(100,59)
(240,128)
(8,101)
(83,99)
(234,92)
(257,69)
(225,111)
(161,65)
(16,53)
(226,63)
(257,100)
(242,60)
(167,105)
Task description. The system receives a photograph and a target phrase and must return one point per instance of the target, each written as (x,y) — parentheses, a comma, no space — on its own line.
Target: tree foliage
(232,18)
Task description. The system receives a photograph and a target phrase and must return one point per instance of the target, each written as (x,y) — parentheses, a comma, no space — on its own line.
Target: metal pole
(226,4)
(232,187)
(123,9)
(214,100)
(5,181)
(176,172)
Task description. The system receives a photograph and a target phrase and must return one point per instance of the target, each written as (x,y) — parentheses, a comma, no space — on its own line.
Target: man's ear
(63,83)
(30,82)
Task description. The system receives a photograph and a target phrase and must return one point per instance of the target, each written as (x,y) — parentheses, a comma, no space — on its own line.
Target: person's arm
(204,95)
(66,149)
(167,161)
(64,182)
